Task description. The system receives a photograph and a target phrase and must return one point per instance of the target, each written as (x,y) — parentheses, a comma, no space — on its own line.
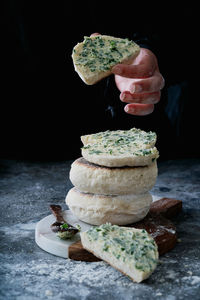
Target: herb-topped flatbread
(132,251)
(120,148)
(95,56)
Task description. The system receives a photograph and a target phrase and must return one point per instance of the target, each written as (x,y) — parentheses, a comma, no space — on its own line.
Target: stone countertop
(27,272)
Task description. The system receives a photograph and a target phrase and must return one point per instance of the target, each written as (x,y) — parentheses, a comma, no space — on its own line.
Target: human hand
(140,83)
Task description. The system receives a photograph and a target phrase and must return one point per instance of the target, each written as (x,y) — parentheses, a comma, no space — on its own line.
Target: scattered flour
(193,280)
(48,293)
(19,230)
(97,273)
(171,274)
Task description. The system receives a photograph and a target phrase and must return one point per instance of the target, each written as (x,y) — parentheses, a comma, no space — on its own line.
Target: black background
(45,106)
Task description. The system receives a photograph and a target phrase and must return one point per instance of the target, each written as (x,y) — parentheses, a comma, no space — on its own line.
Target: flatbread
(95,56)
(99,209)
(92,178)
(119,148)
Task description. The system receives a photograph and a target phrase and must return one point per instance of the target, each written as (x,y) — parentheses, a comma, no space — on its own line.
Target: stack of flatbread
(113,177)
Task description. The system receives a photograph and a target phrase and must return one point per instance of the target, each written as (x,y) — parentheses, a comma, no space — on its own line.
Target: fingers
(145,98)
(133,71)
(141,94)
(143,66)
(150,84)
(139,109)
(145,85)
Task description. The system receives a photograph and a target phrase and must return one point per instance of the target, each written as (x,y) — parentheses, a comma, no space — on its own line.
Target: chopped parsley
(64,226)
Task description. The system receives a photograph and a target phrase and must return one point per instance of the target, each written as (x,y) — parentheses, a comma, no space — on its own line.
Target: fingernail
(126,108)
(122,96)
(153,100)
(136,88)
(129,109)
(150,73)
(127,96)
(117,70)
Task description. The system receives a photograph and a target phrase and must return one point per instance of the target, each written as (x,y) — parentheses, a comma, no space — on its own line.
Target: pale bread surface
(91,77)
(121,161)
(92,178)
(99,209)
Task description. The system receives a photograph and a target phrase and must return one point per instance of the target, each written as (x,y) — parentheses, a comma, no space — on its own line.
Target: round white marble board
(50,242)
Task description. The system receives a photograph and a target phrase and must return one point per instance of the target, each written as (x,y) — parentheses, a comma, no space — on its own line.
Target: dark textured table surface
(27,272)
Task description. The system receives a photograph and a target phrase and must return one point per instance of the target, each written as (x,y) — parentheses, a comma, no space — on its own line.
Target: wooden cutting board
(156,224)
